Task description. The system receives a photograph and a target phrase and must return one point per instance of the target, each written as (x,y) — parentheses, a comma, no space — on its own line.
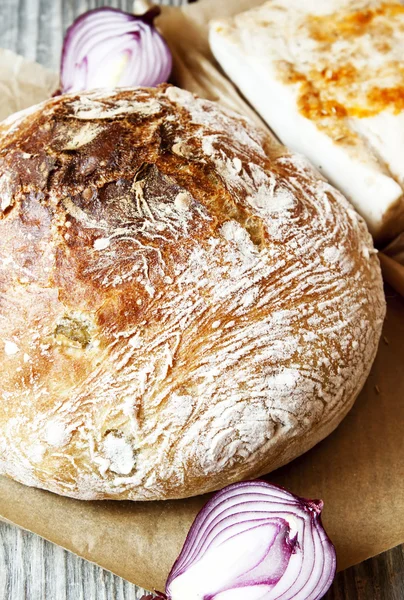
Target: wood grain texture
(379,578)
(31,568)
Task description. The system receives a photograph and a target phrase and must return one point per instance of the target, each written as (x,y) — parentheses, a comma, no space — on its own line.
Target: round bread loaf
(183,303)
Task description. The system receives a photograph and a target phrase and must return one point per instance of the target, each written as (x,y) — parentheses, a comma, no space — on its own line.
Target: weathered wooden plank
(9,10)
(33,569)
(379,578)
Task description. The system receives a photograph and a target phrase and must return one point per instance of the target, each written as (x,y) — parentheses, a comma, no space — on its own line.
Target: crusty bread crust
(180,306)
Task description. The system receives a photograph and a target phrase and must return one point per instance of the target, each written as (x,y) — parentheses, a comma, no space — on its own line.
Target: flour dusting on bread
(179,308)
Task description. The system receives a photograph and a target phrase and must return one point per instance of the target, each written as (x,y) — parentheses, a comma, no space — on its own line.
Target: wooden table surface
(30,567)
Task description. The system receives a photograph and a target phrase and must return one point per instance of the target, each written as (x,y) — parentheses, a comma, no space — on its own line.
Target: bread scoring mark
(219,327)
(6,196)
(150,218)
(82,137)
(88,108)
(80,215)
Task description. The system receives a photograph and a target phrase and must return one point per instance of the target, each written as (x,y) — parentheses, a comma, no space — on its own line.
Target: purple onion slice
(254,541)
(107,47)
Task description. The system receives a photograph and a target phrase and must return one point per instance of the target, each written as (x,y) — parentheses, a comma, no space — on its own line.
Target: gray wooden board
(33,569)
(30,567)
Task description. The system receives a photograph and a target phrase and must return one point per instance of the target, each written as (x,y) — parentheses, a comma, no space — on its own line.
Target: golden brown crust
(178,309)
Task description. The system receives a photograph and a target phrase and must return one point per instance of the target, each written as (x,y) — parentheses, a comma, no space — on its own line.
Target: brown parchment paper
(358,470)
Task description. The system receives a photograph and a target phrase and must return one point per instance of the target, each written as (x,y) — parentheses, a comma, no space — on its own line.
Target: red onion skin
(141,77)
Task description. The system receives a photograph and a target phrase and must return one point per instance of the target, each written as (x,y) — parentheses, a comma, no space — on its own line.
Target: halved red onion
(107,47)
(254,541)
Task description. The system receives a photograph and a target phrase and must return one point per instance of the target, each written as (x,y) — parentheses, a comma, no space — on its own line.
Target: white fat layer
(370,173)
